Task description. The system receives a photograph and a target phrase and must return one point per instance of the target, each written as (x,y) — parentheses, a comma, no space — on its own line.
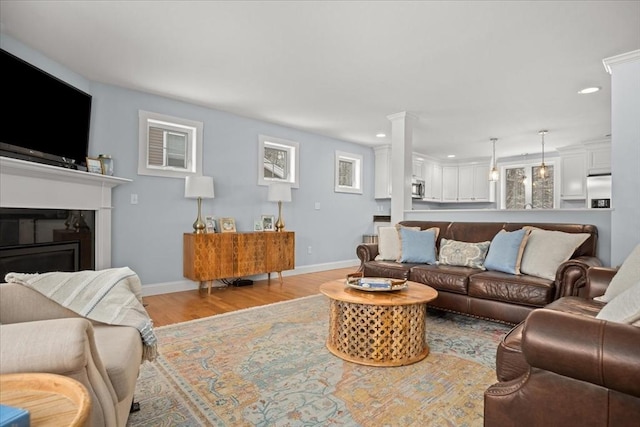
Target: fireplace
(44,240)
(35,187)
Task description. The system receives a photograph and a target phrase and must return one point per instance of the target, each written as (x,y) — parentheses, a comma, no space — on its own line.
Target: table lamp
(198,187)
(279,192)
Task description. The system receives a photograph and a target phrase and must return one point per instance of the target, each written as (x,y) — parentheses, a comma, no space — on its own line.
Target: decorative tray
(374,284)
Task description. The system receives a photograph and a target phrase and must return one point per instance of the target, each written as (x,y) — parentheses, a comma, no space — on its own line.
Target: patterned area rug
(268,366)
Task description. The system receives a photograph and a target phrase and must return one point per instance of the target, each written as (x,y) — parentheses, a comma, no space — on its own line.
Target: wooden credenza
(207,257)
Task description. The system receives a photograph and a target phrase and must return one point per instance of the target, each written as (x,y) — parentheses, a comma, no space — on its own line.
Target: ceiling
(469,70)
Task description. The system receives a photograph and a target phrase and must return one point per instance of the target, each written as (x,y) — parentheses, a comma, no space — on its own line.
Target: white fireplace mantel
(31,185)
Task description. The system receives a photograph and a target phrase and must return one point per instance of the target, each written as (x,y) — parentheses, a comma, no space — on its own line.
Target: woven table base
(378,335)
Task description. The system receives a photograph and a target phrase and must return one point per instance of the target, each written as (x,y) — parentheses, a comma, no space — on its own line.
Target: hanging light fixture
(542,170)
(494,175)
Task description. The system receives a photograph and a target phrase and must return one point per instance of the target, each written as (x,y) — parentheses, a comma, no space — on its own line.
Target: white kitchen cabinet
(432,181)
(418,167)
(473,183)
(450,183)
(599,159)
(573,175)
(382,183)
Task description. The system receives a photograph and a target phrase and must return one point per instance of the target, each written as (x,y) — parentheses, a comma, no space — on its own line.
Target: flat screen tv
(44,119)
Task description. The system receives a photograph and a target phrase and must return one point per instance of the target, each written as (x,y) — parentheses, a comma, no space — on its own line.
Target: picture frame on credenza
(227,225)
(94,165)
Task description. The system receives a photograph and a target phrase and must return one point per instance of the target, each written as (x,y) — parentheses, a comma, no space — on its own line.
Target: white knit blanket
(112,296)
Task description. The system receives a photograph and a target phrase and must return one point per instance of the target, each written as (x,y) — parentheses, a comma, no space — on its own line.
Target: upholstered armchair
(39,335)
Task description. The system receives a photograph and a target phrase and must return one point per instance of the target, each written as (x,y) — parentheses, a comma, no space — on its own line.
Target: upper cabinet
(579,161)
(418,167)
(432,181)
(573,175)
(382,166)
(598,158)
(472,182)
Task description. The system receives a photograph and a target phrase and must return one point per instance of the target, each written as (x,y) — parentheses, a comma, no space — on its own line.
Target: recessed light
(587,90)
(451,156)
(381,135)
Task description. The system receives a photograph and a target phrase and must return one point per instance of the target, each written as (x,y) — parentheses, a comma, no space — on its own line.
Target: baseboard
(188,285)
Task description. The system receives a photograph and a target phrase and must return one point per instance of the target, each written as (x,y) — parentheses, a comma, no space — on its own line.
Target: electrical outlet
(309,250)
(317,206)
(134,199)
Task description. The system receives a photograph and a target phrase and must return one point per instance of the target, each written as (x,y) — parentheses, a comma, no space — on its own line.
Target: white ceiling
(470,70)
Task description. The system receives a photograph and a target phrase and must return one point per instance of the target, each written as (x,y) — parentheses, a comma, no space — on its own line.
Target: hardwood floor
(177,307)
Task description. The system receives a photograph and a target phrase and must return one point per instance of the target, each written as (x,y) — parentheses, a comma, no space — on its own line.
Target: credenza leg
(269,278)
(280,276)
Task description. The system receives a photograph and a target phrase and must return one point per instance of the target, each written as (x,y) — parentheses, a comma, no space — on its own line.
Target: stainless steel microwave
(417,188)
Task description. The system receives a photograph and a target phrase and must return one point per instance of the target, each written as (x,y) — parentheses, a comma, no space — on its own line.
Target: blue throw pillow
(505,251)
(417,246)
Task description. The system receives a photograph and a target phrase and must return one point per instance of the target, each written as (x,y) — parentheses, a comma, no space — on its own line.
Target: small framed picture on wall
(268,223)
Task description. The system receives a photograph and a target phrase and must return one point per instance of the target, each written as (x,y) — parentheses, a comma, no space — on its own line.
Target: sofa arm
(366,252)
(584,348)
(598,279)
(571,276)
(64,347)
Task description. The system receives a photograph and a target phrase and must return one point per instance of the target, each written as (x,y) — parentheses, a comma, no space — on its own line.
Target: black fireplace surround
(45,240)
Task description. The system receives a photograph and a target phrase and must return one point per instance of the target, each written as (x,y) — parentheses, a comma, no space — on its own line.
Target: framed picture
(227,225)
(257,226)
(210,222)
(268,223)
(94,165)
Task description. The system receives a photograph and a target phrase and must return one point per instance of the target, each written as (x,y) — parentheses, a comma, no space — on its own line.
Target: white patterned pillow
(463,254)
(624,307)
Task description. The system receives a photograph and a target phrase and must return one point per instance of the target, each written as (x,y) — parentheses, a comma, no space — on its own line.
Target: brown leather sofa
(562,366)
(492,295)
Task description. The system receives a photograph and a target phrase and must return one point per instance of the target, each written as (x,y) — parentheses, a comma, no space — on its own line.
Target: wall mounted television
(44,119)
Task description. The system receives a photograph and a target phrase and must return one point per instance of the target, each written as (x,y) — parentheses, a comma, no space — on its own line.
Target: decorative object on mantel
(94,165)
(494,175)
(543,167)
(107,164)
(198,187)
(279,192)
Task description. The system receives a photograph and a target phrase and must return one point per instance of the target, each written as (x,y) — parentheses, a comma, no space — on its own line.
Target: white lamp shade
(279,192)
(198,186)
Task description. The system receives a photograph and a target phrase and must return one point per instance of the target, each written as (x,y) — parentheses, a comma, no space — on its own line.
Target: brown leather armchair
(574,369)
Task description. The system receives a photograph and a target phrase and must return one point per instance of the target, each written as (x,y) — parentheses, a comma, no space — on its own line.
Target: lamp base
(199,227)
(280,221)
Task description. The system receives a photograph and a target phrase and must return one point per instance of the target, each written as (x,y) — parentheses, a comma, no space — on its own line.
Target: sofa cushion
(120,349)
(624,308)
(522,290)
(443,277)
(389,243)
(546,250)
(418,246)
(626,277)
(506,250)
(463,254)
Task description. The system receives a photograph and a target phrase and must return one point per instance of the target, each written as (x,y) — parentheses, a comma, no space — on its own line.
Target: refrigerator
(599,191)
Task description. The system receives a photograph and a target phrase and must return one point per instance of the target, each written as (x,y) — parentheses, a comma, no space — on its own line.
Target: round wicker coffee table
(378,328)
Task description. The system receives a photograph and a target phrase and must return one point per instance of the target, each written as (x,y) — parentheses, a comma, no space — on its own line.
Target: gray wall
(148,236)
(625,159)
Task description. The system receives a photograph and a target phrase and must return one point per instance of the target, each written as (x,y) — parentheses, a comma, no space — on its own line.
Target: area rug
(268,366)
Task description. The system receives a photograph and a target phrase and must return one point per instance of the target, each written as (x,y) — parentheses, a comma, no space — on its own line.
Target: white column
(625,153)
(401,165)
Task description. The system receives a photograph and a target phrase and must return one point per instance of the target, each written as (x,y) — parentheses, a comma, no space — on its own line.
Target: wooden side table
(52,400)
(378,328)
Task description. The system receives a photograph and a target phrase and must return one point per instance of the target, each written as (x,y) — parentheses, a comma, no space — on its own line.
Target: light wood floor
(177,307)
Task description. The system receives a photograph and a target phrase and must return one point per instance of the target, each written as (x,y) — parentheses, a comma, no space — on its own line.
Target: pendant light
(494,175)
(543,168)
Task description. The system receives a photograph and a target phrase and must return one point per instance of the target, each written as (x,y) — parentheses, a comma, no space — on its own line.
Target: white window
(348,173)
(278,161)
(523,187)
(169,146)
